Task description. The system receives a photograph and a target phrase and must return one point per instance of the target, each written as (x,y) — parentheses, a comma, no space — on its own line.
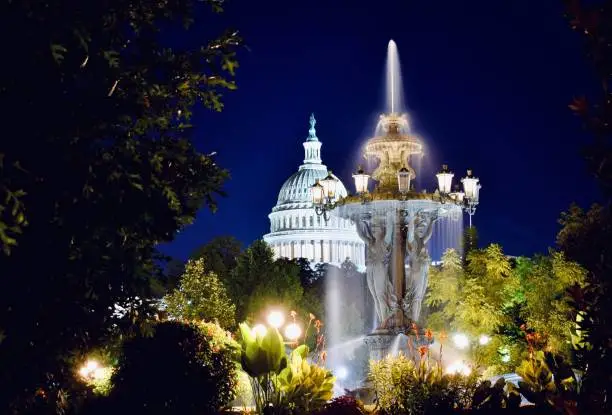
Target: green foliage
(220,255)
(343,405)
(404,386)
(177,370)
(547,381)
(102,171)
(283,384)
(304,386)
(201,296)
(258,282)
(587,238)
(494,397)
(262,355)
(520,306)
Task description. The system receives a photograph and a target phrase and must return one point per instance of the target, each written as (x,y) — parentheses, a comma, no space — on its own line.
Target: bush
(176,371)
(343,405)
(404,386)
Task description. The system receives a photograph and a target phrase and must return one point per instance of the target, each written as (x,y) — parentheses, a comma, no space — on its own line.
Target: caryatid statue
(419,231)
(377,236)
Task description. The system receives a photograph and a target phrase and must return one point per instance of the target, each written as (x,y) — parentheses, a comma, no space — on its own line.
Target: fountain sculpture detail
(395,222)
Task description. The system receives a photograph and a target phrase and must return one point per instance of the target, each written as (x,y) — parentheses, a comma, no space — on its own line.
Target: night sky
(486,84)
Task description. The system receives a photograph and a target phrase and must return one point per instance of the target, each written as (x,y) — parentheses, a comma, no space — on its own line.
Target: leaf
(112,57)
(58,51)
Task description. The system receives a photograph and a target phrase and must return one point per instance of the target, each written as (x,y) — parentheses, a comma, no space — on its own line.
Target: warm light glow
(403,180)
(459,368)
(461,341)
(276,319)
(329,186)
(484,340)
(445,180)
(471,187)
(457,196)
(341,372)
(317,193)
(293,332)
(92,370)
(361,181)
(259,330)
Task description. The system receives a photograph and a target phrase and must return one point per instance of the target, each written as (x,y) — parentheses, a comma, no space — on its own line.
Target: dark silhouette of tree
(220,255)
(258,282)
(175,371)
(98,170)
(586,237)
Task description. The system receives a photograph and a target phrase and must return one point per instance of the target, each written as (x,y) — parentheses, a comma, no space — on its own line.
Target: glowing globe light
(459,368)
(293,331)
(99,373)
(484,340)
(259,330)
(341,372)
(461,341)
(276,319)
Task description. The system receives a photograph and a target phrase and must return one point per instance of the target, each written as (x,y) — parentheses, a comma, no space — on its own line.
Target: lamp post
(324,195)
(471,187)
(403,180)
(468,199)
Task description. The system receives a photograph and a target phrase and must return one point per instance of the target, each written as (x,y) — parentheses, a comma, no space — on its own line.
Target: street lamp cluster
(324,191)
(276,320)
(461,341)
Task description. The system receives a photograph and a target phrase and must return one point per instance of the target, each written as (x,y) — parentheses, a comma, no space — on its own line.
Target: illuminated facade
(296,231)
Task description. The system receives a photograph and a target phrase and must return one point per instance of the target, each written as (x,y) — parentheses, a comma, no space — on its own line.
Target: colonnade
(321,250)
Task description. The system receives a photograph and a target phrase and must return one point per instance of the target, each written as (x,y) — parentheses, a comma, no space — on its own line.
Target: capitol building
(296,231)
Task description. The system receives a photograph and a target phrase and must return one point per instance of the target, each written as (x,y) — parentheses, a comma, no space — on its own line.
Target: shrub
(404,386)
(343,405)
(177,370)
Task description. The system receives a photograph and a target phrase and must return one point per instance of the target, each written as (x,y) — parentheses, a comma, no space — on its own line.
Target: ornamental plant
(406,386)
(284,383)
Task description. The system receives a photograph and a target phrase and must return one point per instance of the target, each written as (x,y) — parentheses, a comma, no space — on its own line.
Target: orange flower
(442,337)
(429,334)
(323,355)
(423,350)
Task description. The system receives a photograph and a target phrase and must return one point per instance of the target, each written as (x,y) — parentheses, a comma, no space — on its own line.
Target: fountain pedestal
(379,344)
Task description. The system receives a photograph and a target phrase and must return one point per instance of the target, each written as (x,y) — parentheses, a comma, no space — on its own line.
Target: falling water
(447,234)
(395,102)
(395,346)
(332,312)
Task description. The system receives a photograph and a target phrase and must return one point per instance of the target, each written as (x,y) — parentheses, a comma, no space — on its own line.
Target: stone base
(379,344)
(380,341)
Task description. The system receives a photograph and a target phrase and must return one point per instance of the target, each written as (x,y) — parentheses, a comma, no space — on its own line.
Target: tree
(176,371)
(201,296)
(258,282)
(587,238)
(100,172)
(220,255)
(522,307)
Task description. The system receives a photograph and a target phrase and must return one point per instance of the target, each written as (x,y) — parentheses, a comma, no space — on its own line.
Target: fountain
(395,221)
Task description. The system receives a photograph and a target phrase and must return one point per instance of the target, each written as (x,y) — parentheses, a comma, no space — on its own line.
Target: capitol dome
(296,231)
(297,188)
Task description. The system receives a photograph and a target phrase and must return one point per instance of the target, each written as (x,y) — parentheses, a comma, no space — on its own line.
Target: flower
(292,314)
(423,350)
(312,316)
(429,334)
(323,355)
(443,336)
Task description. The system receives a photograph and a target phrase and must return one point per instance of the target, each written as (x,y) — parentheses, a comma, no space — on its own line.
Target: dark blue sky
(487,85)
